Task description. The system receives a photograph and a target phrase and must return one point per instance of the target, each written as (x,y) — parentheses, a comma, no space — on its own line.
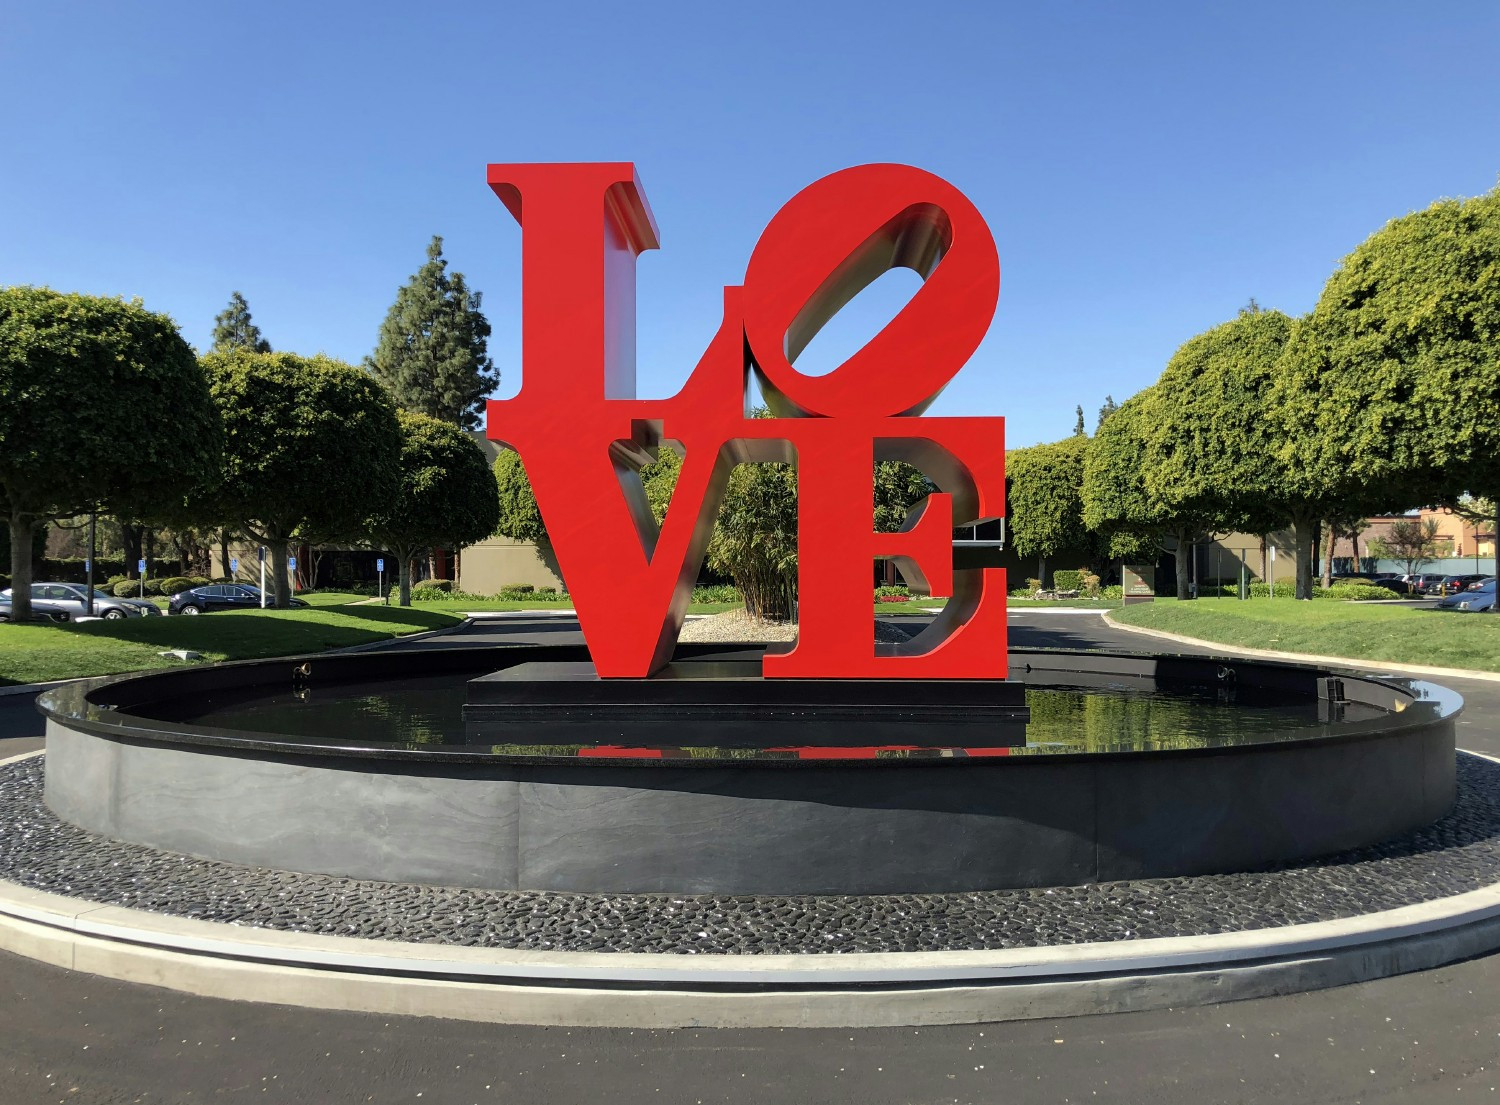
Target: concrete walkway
(1432,1037)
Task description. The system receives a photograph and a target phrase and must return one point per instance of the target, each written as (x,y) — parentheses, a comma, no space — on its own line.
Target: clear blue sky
(1146,168)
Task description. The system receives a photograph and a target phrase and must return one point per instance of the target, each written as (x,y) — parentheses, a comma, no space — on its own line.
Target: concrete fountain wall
(890,826)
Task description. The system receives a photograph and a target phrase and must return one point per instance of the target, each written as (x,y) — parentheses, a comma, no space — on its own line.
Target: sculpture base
(723,702)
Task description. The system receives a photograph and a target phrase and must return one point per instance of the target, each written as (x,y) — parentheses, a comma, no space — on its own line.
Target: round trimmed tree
(447,496)
(312,450)
(102,406)
(1210,438)
(1388,396)
(1118,500)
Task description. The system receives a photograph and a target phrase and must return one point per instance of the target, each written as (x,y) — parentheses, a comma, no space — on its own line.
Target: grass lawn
(1363,631)
(38,653)
(330,598)
(481,606)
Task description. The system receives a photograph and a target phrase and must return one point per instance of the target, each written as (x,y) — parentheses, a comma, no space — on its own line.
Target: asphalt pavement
(1428,1037)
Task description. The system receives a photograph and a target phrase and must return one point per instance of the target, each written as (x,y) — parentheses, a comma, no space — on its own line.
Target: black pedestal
(722,704)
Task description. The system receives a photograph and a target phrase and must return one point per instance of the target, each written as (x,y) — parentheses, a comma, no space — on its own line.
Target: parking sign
(380,565)
(140,566)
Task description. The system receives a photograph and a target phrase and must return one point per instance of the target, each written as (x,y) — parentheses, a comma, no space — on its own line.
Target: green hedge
(434,586)
(1346,591)
(1354,591)
(721,592)
(1067,579)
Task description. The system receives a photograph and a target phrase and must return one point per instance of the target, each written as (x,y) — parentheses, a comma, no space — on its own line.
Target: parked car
(1426,583)
(40,611)
(1391,583)
(219,596)
(1473,601)
(74,597)
(1453,584)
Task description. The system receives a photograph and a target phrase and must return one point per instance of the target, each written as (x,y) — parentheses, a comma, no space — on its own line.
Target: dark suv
(219,596)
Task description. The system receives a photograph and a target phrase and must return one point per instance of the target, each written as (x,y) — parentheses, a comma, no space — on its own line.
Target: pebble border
(1457,854)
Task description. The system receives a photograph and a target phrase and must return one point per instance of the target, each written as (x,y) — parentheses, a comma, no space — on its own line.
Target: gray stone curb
(664,990)
(375,646)
(1307,657)
(33,688)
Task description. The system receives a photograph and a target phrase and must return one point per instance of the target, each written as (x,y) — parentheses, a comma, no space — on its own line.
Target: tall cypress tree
(1109,408)
(233,329)
(432,349)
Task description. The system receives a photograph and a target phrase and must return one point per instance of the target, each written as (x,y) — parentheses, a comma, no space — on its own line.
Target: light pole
(89,564)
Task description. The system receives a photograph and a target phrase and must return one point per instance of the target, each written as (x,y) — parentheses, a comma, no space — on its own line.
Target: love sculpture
(583,436)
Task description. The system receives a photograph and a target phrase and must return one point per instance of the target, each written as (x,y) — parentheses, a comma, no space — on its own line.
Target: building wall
(1457,537)
(485,568)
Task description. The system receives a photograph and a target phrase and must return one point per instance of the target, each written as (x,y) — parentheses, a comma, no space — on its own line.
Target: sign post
(261,552)
(380,578)
(1271,572)
(291,567)
(141,567)
(234,567)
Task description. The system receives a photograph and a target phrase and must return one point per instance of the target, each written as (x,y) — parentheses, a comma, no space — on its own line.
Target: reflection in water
(428,712)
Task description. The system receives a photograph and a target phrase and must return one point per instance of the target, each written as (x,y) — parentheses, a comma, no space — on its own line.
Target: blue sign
(88,565)
(291,562)
(234,564)
(380,565)
(140,566)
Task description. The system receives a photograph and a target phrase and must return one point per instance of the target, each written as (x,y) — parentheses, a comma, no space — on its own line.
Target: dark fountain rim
(101,706)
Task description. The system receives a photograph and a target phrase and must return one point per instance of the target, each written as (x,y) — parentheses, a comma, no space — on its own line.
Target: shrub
(199,581)
(1021,592)
(546,590)
(517,588)
(127,589)
(898,593)
(1351,592)
(1033,585)
(174,584)
(1088,582)
(721,592)
(1067,580)
(1113,591)
(441,585)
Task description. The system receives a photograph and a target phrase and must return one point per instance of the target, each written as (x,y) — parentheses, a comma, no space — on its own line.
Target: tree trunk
(1302,528)
(21,528)
(224,553)
(280,598)
(133,538)
(1184,555)
(1333,540)
(404,557)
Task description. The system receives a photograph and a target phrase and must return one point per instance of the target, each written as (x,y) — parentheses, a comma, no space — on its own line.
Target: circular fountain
(464,767)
